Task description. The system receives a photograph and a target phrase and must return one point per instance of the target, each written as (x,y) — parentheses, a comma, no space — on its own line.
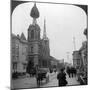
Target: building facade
(84,55)
(76,59)
(14,52)
(80,60)
(18,53)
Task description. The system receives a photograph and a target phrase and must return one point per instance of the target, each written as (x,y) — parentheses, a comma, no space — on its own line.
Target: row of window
(15,65)
(33,35)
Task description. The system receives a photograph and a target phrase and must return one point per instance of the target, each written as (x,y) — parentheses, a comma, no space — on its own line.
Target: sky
(63,22)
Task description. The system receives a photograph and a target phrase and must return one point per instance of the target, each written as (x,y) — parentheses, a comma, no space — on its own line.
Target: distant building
(54,61)
(61,61)
(84,57)
(76,59)
(80,58)
(67,64)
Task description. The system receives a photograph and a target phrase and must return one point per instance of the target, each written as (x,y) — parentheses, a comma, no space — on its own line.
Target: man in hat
(62,78)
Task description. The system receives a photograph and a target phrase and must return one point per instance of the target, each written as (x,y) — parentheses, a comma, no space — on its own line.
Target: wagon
(43,74)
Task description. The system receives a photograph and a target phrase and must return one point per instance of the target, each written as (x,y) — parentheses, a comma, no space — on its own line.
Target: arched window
(38,35)
(31,49)
(32,34)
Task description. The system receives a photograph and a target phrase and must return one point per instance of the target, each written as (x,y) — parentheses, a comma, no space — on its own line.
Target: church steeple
(44,32)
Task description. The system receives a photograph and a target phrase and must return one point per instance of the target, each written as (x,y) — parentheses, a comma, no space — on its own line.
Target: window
(38,35)
(24,66)
(32,34)
(31,49)
(13,57)
(78,61)
(17,46)
(14,66)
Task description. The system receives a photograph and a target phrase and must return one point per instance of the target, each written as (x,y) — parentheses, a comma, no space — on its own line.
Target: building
(18,53)
(76,59)
(14,52)
(33,51)
(38,48)
(23,46)
(84,57)
(80,60)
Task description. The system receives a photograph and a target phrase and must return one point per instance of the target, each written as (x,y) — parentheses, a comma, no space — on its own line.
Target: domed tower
(34,37)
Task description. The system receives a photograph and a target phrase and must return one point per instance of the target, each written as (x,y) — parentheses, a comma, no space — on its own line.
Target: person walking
(61,76)
(68,72)
(47,76)
(38,78)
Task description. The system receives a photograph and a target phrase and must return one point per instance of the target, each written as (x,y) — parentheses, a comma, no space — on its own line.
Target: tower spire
(44,32)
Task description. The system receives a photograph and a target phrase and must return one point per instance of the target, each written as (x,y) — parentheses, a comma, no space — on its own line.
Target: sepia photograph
(49,44)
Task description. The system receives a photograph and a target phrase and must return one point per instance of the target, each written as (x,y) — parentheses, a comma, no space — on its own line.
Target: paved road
(31,82)
(28,82)
(54,81)
(24,83)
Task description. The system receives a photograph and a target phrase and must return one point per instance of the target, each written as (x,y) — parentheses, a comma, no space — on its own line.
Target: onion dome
(34,12)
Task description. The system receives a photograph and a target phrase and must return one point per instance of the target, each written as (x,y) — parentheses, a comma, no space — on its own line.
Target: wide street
(54,81)
(28,82)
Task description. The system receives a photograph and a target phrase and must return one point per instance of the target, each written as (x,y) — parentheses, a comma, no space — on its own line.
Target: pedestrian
(38,78)
(72,71)
(47,76)
(68,72)
(75,72)
(62,78)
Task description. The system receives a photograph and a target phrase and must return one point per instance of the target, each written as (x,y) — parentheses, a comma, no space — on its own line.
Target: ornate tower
(34,37)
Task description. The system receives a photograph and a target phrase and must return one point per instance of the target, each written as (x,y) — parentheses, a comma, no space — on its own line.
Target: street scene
(27,82)
(49,46)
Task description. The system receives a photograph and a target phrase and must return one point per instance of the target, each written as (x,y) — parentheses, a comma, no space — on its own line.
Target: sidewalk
(25,83)
(52,75)
(31,82)
(54,82)
(72,81)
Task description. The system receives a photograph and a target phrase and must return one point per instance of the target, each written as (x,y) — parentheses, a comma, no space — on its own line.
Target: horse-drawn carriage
(42,74)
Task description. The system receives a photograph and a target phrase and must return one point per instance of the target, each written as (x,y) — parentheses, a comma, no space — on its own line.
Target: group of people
(71,71)
(61,76)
